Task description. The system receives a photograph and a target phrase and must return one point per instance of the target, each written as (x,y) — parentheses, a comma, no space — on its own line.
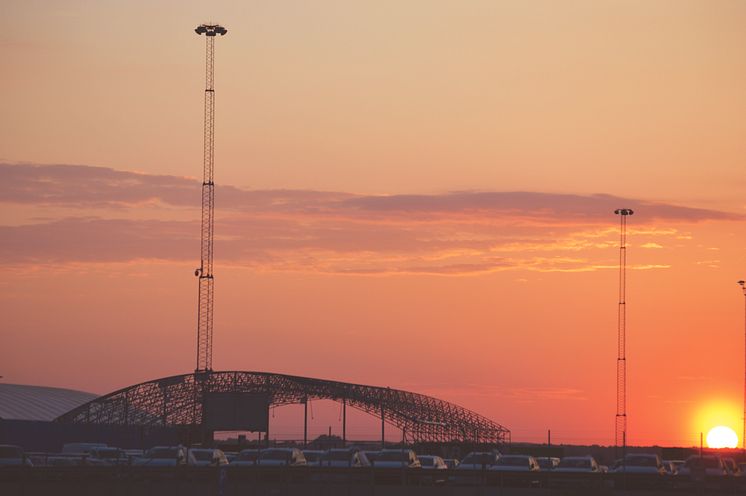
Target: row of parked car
(710,466)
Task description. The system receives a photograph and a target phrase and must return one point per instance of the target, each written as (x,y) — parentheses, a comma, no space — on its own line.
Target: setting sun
(722,437)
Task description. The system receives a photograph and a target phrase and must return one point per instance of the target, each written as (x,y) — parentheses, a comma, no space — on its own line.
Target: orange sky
(414,194)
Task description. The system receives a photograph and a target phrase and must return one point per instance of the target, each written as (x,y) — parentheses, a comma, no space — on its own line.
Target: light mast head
(624,211)
(210,29)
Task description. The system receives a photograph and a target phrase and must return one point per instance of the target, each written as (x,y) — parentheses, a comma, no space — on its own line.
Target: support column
(383,429)
(344,422)
(305,422)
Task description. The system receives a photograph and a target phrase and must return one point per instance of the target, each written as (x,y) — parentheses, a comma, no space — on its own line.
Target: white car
(516,463)
(578,464)
(208,457)
(640,463)
(165,456)
(13,455)
(397,458)
(281,457)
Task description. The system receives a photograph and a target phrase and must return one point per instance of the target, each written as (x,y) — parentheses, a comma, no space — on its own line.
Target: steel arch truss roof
(177,401)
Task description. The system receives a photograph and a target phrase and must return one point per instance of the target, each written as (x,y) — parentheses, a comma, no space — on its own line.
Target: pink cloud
(457,233)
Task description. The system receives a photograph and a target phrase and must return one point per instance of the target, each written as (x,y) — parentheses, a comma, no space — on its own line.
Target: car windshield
(10,452)
(478,459)
(203,455)
(427,461)
(248,456)
(641,461)
(393,456)
(163,453)
(513,461)
(575,463)
(545,462)
(273,454)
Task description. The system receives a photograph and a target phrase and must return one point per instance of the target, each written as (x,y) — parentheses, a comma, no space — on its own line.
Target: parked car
(698,467)
(641,463)
(246,458)
(397,458)
(107,456)
(707,470)
(435,470)
(81,448)
(11,455)
(431,462)
(578,464)
(451,463)
(516,463)
(474,467)
(166,456)
(547,462)
(733,469)
(281,457)
(371,455)
(344,457)
(64,461)
(134,453)
(313,457)
(208,457)
(671,467)
(478,460)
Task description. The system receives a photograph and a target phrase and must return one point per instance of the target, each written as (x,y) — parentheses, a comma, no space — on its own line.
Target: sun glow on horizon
(722,437)
(718,419)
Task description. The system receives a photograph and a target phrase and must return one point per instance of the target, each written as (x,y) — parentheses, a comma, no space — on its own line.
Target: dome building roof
(24,402)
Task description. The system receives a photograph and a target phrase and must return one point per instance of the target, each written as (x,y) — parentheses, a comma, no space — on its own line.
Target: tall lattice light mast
(620,431)
(204,272)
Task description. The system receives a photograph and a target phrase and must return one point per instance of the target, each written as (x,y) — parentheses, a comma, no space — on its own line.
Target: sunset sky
(413,194)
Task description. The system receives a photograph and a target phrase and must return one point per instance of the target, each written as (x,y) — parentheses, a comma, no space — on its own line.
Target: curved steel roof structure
(178,401)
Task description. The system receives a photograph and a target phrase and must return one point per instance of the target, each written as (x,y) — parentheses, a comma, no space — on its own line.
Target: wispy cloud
(456,233)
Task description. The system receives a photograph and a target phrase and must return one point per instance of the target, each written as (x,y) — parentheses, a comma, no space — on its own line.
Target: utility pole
(743,435)
(204,272)
(620,431)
